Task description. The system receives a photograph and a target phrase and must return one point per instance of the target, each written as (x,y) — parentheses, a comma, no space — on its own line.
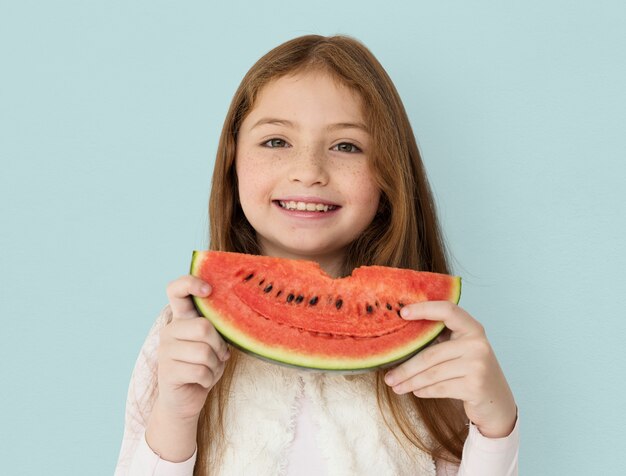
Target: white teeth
(310,207)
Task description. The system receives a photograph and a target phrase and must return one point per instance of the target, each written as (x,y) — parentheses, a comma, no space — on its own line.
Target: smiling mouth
(306,206)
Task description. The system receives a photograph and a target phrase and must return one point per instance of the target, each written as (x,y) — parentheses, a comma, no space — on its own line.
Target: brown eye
(274,143)
(347,147)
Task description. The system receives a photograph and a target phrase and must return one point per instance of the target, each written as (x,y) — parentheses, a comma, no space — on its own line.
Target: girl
(317,161)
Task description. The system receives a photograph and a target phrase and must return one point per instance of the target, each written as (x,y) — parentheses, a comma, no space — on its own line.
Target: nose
(309,167)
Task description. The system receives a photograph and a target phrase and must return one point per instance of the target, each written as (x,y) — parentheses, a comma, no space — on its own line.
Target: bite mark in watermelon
(291,312)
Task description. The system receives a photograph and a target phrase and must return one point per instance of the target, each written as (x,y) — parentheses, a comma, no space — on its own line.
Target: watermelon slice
(291,312)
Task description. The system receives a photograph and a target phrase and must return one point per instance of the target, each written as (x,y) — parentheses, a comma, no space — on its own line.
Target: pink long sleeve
(146,463)
(486,456)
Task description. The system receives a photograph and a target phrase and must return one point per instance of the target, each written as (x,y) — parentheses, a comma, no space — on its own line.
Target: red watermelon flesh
(291,312)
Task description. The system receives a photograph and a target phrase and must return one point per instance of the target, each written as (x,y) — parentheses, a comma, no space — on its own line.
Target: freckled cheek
(369,199)
(255,179)
(359,179)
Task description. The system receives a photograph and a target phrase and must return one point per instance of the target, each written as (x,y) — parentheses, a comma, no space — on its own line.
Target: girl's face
(302,167)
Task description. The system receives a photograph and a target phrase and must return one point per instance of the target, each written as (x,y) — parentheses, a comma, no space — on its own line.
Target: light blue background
(109,119)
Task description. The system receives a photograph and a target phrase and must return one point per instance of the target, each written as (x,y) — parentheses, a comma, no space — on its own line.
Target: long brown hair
(404,233)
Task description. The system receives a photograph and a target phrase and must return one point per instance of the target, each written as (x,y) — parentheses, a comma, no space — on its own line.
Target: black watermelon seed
(401,304)
(389,306)
(313,301)
(369,309)
(268,288)
(398,312)
(279,293)
(299,299)
(249,277)
(290,297)
(262,281)
(338,304)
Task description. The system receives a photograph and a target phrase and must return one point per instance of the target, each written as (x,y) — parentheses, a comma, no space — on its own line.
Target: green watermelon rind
(287,357)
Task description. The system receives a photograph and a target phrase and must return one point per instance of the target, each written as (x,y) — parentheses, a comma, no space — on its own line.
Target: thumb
(179,293)
(455,318)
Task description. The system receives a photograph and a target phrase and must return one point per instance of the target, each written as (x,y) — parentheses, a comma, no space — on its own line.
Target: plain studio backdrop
(109,118)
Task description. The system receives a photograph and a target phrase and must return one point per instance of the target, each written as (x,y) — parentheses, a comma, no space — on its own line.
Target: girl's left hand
(464,368)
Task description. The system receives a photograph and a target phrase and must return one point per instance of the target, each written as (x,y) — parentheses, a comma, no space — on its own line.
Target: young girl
(317,161)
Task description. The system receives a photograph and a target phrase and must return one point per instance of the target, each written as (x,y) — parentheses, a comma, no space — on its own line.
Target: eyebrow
(272,120)
(330,127)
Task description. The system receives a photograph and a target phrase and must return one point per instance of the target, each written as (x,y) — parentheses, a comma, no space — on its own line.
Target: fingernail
(404,312)
(225,356)
(389,380)
(205,289)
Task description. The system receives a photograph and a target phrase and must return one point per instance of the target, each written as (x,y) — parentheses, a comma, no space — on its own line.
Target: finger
(195,353)
(449,370)
(445,336)
(455,318)
(430,357)
(184,373)
(178,292)
(452,388)
(201,331)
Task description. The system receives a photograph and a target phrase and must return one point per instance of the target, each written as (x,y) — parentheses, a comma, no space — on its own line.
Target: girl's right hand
(191,354)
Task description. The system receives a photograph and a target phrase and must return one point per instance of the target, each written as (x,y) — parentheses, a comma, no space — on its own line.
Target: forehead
(308,97)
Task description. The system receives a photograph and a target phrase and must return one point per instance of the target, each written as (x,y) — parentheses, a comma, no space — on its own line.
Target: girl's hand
(191,353)
(464,368)
(190,357)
